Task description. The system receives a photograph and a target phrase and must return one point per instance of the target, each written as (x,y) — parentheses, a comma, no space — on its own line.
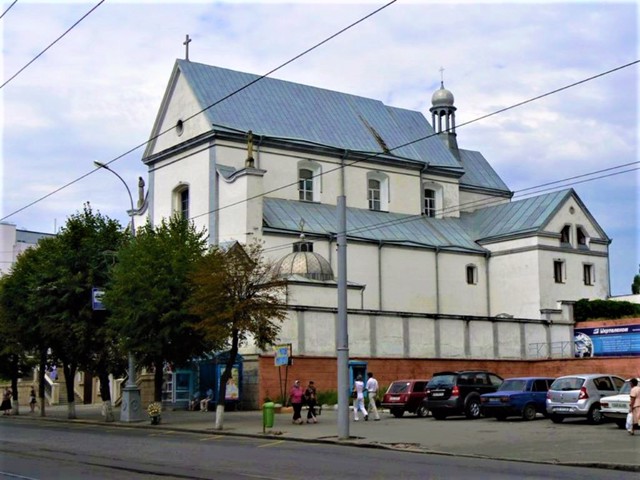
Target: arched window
(309,175)
(429,202)
(432,200)
(378,191)
(181,201)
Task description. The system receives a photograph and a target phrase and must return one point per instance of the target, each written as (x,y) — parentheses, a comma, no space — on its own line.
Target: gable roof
(311,115)
(479,174)
(523,217)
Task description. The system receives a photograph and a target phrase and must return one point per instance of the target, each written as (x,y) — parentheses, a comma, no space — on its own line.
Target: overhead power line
(8,8)
(51,44)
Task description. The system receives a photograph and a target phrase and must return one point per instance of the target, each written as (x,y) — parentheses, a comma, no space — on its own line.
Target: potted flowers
(154,409)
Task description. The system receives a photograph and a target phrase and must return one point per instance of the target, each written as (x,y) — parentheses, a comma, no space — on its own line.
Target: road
(91,451)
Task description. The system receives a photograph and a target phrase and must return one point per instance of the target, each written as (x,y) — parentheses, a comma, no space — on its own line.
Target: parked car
(523,397)
(616,407)
(579,396)
(405,396)
(458,393)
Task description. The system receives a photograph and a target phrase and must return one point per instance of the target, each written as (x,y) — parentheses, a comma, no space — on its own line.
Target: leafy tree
(635,286)
(237,298)
(147,295)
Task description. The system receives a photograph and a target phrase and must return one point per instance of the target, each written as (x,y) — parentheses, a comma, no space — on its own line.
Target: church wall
(359,335)
(408,289)
(388,336)
(421,337)
(232,215)
(514,284)
(510,341)
(452,338)
(457,297)
(536,340)
(450,198)
(362,267)
(318,295)
(481,339)
(319,330)
(471,201)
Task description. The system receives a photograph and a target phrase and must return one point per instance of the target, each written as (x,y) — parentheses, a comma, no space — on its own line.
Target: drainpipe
(487,255)
(380,274)
(437,282)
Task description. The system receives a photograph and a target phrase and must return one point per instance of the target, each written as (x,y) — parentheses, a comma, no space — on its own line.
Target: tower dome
(442,97)
(305,262)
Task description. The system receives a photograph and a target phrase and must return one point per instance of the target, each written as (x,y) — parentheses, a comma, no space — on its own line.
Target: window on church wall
(565,235)
(588,274)
(472,275)
(583,238)
(305,185)
(374,195)
(559,271)
(429,202)
(181,201)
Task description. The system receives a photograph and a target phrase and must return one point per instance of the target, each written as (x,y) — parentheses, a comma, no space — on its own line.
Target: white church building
(442,262)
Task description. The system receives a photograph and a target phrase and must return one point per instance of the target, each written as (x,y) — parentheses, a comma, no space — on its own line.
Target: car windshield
(399,387)
(626,388)
(567,383)
(513,385)
(441,381)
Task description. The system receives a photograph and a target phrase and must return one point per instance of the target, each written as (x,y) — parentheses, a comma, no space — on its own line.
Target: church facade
(442,262)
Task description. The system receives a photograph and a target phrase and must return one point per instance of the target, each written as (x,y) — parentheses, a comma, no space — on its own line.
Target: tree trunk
(224,378)
(158,377)
(41,371)
(15,407)
(69,370)
(105,394)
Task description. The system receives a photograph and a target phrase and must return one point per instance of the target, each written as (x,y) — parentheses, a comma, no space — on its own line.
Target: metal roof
(281,109)
(478,172)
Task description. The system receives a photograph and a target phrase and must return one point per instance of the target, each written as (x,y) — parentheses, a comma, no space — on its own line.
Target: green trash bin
(268,412)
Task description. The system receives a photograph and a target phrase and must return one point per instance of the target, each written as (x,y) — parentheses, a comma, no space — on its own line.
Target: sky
(94,95)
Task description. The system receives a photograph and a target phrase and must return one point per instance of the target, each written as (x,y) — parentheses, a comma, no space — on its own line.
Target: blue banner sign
(96,299)
(613,341)
(283,355)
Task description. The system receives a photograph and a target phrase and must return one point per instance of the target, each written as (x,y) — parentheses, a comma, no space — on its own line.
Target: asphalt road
(80,451)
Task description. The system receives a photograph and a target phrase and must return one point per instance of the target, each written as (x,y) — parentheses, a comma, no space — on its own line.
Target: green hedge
(604,309)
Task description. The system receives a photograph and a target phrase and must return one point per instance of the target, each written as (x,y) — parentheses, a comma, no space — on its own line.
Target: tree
(237,299)
(147,296)
(635,286)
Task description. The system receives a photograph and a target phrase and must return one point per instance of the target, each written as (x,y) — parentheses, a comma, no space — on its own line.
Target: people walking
(372,391)
(358,402)
(634,405)
(32,399)
(204,403)
(295,399)
(310,398)
(5,406)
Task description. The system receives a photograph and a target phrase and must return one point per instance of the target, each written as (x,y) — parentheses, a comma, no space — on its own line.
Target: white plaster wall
(389,336)
(515,285)
(320,333)
(456,295)
(408,279)
(562,335)
(449,205)
(7,247)
(470,201)
(451,338)
(362,267)
(359,336)
(321,296)
(481,339)
(232,213)
(509,340)
(422,343)
(289,332)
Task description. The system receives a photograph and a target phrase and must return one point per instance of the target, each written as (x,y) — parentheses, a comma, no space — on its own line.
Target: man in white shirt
(372,388)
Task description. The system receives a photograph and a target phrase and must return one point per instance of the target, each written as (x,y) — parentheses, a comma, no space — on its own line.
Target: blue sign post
(96,299)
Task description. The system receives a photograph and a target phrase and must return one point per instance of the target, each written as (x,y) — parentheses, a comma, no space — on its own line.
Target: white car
(616,407)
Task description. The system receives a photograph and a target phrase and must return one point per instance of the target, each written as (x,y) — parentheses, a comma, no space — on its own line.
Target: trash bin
(268,412)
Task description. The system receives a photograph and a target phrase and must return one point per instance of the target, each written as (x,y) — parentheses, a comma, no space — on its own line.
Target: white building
(441,262)
(13,242)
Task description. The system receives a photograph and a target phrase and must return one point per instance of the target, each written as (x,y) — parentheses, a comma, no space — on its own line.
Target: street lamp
(131,410)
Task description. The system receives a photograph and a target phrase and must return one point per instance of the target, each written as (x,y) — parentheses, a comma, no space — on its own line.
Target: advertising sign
(283,355)
(613,341)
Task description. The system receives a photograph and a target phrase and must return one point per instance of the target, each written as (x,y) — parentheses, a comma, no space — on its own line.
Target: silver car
(579,395)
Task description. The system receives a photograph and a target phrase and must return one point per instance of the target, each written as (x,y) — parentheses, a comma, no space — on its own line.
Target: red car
(406,396)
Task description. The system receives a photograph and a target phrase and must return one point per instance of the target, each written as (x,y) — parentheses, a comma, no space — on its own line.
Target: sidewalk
(539,441)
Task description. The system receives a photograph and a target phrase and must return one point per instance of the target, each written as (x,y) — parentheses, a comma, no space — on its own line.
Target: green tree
(635,286)
(147,296)
(237,297)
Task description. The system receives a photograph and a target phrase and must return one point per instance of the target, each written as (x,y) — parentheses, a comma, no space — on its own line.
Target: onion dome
(442,97)
(303,261)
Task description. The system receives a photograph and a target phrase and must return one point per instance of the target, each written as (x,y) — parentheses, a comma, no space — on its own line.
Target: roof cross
(186,43)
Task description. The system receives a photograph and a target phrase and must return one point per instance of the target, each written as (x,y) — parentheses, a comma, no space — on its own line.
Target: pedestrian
(54,373)
(634,405)
(32,399)
(372,390)
(204,403)
(310,398)
(6,402)
(358,402)
(295,399)
(194,404)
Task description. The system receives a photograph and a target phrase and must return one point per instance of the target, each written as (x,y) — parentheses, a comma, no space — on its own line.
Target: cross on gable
(186,43)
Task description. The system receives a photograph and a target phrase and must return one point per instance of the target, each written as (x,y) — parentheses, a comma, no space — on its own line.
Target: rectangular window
(429,203)
(305,185)
(374,195)
(472,275)
(184,203)
(565,234)
(558,271)
(588,273)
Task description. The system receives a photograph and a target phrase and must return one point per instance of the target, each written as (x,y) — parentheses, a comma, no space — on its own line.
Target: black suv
(458,393)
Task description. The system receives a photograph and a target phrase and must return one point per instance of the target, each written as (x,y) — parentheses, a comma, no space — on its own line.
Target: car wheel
(556,418)
(621,423)
(422,411)
(397,412)
(529,412)
(595,416)
(438,415)
(473,408)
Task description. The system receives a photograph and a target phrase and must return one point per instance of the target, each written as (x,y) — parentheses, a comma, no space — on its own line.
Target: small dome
(304,263)
(442,97)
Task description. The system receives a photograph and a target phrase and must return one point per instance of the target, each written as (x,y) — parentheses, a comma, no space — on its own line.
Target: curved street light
(131,410)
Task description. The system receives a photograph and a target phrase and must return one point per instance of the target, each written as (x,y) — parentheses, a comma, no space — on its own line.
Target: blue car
(517,397)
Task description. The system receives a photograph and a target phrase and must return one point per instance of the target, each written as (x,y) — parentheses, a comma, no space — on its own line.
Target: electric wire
(8,8)
(51,44)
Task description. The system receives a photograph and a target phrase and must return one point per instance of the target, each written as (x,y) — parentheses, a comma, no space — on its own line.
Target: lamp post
(131,410)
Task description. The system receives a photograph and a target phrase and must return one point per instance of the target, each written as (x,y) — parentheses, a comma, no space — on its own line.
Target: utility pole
(343,334)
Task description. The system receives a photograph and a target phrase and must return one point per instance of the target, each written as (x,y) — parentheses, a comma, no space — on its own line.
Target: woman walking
(6,402)
(32,399)
(358,402)
(310,397)
(295,398)
(634,405)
